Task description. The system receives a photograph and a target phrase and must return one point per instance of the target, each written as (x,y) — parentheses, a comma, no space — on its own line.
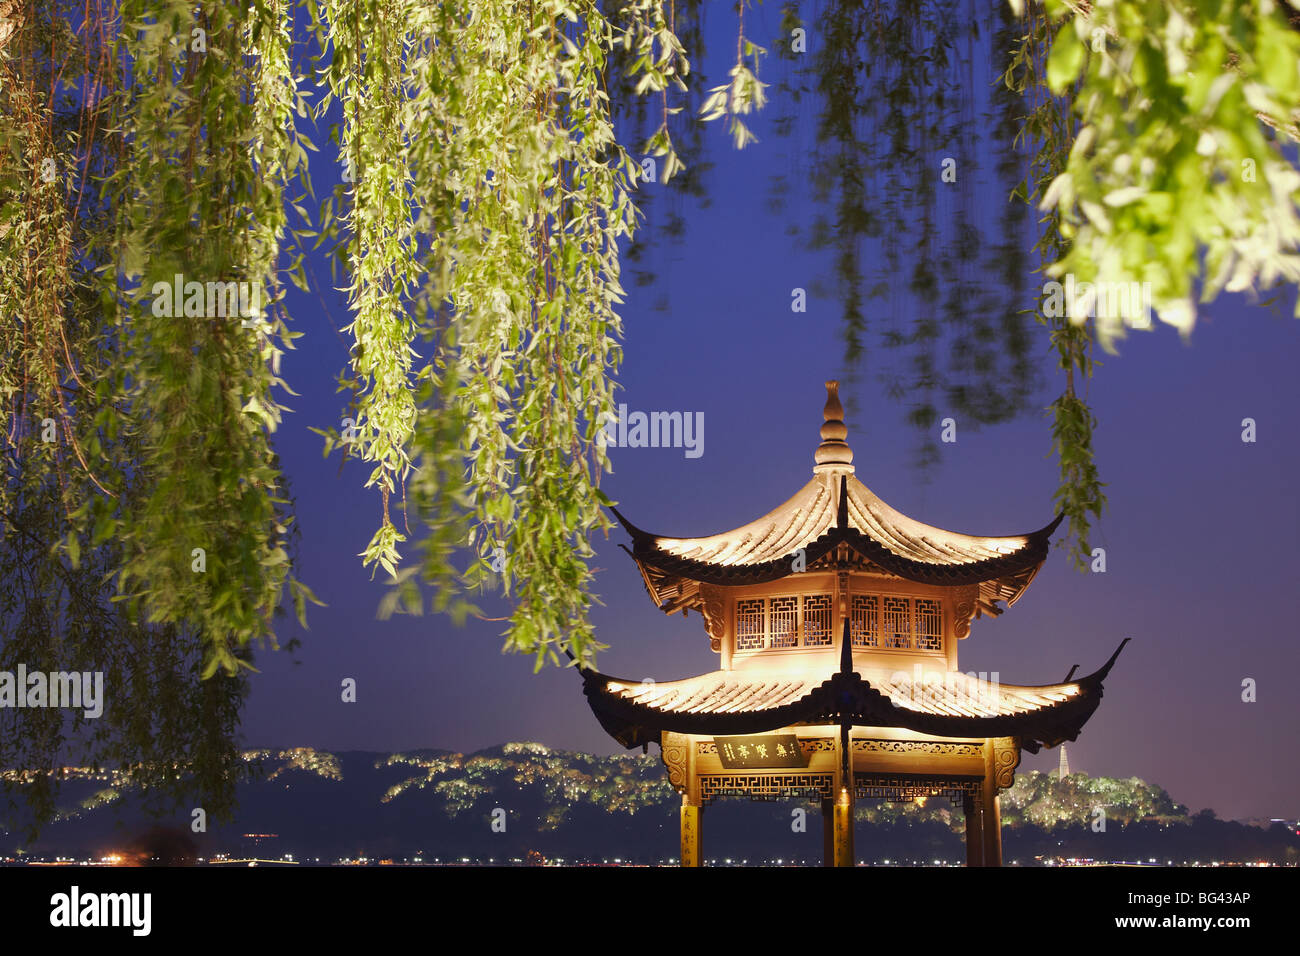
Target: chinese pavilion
(836,621)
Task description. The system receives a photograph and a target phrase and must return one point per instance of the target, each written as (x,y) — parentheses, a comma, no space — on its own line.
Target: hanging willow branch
(1157,171)
(368,41)
(1047,126)
(930,288)
(78,466)
(1176,182)
(196,212)
(488,201)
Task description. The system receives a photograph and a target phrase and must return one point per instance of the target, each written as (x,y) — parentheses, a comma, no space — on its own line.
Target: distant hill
(563,805)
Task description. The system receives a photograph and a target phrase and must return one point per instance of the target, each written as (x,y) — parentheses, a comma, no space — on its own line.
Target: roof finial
(833,453)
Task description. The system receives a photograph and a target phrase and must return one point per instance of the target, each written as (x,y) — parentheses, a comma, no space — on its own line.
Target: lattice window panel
(767,786)
(783,613)
(817,620)
(898,623)
(897,788)
(751,624)
(864,620)
(929,625)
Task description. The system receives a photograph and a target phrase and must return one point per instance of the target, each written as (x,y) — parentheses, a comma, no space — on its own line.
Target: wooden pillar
(974,830)
(692,839)
(828,832)
(843,817)
(845,784)
(990,815)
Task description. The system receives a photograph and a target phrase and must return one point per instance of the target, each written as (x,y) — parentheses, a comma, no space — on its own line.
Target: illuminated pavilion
(836,621)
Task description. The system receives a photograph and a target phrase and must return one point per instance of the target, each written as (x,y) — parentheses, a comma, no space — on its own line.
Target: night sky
(1200,532)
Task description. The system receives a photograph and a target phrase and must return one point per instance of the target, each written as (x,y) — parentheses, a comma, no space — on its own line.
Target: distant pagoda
(1065,765)
(836,619)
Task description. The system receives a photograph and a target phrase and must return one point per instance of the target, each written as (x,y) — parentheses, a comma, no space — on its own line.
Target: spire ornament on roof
(833,454)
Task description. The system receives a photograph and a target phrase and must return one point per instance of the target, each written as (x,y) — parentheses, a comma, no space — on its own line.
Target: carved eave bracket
(674,749)
(965,607)
(713,608)
(1006,758)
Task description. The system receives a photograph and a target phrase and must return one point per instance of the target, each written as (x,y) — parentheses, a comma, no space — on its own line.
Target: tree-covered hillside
(523,800)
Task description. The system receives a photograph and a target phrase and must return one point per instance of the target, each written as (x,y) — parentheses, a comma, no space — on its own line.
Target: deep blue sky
(1200,532)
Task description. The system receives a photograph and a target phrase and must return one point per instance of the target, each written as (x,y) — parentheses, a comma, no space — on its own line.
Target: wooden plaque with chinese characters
(760,751)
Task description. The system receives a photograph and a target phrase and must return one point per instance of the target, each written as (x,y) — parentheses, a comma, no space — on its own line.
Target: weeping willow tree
(155,198)
(153,155)
(106,479)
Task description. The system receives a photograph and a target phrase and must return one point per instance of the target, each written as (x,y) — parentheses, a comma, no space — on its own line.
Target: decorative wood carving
(964,607)
(713,608)
(673,749)
(1006,758)
(817,745)
(872,745)
(843,557)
